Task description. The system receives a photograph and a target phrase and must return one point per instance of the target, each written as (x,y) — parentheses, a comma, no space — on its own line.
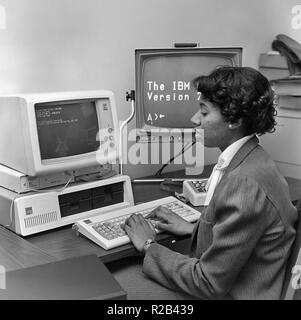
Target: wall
(58,45)
(284,145)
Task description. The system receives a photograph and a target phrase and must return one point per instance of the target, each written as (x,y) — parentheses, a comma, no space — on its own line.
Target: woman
(241,243)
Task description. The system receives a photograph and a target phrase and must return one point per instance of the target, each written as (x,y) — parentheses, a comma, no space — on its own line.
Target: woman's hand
(170,221)
(139,230)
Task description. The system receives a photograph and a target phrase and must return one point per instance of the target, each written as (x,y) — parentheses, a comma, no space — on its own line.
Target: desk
(63,243)
(17,252)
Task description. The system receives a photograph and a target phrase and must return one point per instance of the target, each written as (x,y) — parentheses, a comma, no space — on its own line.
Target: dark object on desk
(85,278)
(291,49)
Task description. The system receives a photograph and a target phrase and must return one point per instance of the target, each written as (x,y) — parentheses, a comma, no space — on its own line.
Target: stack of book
(288,90)
(273,65)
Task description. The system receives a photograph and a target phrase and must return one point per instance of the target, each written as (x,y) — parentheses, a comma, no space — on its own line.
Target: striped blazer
(240,245)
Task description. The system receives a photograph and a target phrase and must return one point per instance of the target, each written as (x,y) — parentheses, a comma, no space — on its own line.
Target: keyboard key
(106,227)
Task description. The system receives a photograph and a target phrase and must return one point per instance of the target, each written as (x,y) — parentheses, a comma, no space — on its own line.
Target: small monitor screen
(167,96)
(67,129)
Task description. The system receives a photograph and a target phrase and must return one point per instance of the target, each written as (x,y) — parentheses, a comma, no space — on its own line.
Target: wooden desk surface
(64,243)
(17,252)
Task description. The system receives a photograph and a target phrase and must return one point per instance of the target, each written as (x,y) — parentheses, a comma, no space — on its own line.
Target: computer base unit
(35,212)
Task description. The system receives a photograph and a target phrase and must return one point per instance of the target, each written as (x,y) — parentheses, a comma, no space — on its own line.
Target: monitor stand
(21,183)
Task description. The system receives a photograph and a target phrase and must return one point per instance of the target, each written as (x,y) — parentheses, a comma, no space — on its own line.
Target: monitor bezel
(38,166)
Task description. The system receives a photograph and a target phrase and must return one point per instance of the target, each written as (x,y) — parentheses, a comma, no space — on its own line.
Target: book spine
(273,61)
(273,73)
(290,102)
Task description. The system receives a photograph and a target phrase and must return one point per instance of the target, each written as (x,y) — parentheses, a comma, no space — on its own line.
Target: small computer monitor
(55,132)
(166,99)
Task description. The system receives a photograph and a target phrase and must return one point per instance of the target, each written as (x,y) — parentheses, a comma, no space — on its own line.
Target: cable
(55,190)
(129,96)
(95,177)
(185,148)
(159,172)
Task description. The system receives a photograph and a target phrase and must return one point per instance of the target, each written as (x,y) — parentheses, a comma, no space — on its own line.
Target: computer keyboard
(105,230)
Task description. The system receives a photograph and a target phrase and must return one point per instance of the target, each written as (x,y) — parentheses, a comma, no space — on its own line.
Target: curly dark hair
(241,93)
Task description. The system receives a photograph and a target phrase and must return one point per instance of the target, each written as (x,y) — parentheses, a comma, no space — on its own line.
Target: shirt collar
(227,155)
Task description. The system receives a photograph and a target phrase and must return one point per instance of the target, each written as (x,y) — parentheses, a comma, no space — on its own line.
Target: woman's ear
(235,125)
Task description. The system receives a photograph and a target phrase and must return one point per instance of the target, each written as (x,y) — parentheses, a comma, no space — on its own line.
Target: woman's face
(210,119)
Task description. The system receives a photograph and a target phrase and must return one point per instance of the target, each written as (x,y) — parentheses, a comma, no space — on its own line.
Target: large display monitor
(165,97)
(54,132)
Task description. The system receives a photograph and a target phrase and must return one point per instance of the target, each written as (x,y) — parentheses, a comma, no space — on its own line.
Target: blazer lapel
(241,154)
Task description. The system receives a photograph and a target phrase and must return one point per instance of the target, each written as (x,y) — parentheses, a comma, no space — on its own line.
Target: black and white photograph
(150,153)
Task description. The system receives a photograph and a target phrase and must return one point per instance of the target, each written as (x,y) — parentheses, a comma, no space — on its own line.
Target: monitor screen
(67,129)
(166,97)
